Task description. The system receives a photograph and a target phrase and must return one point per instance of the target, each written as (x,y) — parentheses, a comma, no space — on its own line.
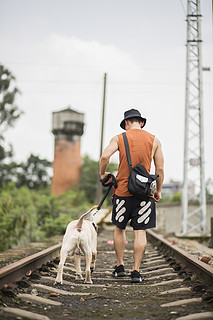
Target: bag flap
(141,171)
(154,176)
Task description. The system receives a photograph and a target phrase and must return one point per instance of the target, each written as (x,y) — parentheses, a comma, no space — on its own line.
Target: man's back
(141,147)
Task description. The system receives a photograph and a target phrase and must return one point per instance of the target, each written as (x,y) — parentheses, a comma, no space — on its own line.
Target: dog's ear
(89,217)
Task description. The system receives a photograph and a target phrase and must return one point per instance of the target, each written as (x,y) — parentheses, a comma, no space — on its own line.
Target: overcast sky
(59,50)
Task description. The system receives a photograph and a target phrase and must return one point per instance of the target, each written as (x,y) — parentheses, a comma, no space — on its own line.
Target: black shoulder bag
(140,181)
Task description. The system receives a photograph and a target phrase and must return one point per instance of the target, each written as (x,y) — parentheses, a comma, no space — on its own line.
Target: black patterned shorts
(141,213)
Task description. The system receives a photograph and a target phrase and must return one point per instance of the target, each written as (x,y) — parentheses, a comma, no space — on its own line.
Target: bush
(17,217)
(28,215)
(177,197)
(56,226)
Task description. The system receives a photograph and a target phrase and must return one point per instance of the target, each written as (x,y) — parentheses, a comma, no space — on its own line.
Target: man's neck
(134,125)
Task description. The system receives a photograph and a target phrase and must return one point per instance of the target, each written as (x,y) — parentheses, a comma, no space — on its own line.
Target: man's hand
(104,176)
(157,196)
(159,168)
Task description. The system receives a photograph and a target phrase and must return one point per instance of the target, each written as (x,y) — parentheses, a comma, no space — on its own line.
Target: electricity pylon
(193,193)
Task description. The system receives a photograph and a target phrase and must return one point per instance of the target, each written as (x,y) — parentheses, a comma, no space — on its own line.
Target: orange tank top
(140,146)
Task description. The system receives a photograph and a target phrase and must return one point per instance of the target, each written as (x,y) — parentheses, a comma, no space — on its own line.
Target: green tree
(9,112)
(89,176)
(33,173)
(8,172)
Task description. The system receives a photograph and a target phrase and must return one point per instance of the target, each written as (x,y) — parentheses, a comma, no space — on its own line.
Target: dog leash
(109,185)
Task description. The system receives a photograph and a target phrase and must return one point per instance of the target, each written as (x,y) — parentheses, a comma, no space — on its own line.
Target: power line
(111,82)
(92,92)
(59,81)
(87,66)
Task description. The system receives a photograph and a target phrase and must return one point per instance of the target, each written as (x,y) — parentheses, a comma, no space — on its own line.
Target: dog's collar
(94,225)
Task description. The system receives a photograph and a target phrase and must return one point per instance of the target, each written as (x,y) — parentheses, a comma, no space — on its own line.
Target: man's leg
(139,247)
(119,244)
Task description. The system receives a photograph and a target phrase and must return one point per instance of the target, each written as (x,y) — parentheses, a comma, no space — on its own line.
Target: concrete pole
(103,114)
(99,187)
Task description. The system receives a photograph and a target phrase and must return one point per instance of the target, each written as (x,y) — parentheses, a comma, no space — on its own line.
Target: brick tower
(67,127)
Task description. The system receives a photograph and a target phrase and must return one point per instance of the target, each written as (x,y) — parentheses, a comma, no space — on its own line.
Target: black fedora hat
(132,113)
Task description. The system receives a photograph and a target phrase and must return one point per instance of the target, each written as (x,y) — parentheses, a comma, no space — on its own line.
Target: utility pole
(103,114)
(99,187)
(193,194)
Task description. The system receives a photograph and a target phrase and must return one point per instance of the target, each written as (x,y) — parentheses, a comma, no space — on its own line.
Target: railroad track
(174,288)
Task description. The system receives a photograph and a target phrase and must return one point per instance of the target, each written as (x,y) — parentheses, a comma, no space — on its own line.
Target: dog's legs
(94,251)
(92,266)
(77,259)
(88,264)
(63,256)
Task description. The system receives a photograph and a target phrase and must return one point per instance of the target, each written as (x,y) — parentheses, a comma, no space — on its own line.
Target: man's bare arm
(107,153)
(159,168)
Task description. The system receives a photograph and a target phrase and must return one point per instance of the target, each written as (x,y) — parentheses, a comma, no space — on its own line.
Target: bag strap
(127,150)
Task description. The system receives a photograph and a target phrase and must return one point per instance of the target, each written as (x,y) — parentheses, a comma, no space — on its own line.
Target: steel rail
(186,259)
(16,270)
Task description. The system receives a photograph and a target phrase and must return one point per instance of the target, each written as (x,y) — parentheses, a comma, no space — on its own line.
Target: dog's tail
(80,220)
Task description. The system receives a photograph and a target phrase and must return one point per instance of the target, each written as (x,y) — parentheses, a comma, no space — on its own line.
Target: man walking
(140,212)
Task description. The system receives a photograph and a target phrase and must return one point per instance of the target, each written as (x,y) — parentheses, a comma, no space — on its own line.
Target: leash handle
(109,185)
(106,179)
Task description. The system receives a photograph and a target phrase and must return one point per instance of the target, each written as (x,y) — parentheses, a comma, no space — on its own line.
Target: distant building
(67,126)
(169,189)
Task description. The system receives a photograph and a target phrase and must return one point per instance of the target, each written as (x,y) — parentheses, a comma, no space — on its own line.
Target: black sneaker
(119,271)
(136,277)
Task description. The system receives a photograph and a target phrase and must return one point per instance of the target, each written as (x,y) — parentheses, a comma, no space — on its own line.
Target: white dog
(80,235)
